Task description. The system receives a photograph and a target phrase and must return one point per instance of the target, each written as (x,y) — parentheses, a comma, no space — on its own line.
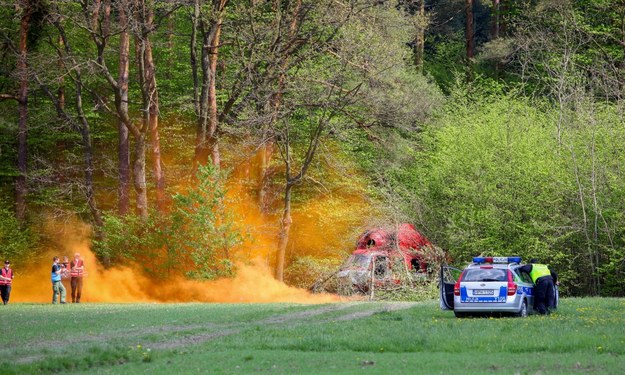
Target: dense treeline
(495,126)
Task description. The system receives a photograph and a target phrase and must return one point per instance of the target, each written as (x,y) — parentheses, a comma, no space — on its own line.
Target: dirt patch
(283,318)
(193,339)
(386,308)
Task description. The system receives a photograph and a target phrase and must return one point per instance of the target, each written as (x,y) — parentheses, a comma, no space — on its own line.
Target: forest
(193,136)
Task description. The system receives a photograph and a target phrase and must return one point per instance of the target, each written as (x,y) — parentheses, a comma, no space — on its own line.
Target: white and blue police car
(488,285)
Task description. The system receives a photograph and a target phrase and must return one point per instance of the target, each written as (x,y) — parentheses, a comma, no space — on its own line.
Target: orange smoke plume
(325,226)
(253,283)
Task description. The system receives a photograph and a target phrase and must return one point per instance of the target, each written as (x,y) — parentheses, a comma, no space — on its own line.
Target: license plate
(483,292)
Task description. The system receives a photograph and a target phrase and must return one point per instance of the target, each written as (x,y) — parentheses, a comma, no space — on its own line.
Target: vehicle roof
(493,265)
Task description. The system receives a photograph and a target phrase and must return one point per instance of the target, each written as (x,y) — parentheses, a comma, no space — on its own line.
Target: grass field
(585,335)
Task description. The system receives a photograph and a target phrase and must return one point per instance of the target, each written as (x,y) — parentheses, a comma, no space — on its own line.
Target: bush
(196,239)
(17,243)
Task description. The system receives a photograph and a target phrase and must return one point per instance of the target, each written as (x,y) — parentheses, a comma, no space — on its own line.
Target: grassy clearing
(584,335)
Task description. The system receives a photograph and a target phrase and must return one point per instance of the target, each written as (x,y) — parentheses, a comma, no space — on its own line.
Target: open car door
(448,277)
(556,298)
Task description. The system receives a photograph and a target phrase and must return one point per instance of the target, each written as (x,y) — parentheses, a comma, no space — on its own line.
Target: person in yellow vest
(544,280)
(76,271)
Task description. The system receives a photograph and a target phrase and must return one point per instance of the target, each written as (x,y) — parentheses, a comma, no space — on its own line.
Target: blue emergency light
(479,260)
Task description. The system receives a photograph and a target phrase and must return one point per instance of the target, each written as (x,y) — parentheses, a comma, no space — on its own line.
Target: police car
(488,285)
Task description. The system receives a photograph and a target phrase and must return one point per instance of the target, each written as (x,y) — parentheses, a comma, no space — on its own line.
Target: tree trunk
(206,142)
(149,93)
(21,188)
(212,92)
(622,39)
(153,109)
(201,146)
(195,17)
(123,150)
(469,30)
(503,11)
(85,134)
(419,47)
(494,20)
(139,176)
(61,91)
(170,46)
(285,228)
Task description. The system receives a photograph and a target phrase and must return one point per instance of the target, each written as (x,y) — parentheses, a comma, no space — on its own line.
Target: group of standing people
(75,270)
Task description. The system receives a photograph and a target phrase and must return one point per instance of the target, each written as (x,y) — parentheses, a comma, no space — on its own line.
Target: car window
(358,260)
(485,274)
(521,276)
(526,278)
(381,266)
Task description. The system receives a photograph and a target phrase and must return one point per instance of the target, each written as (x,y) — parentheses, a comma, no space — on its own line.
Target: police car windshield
(481,274)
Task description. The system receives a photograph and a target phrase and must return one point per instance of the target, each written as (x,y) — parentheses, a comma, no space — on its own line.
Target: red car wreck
(381,255)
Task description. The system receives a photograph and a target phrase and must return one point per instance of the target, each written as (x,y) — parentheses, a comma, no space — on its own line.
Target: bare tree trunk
(195,17)
(503,12)
(170,45)
(61,91)
(285,229)
(207,143)
(201,146)
(121,105)
(139,176)
(494,20)
(139,137)
(420,39)
(622,38)
(85,133)
(212,91)
(149,91)
(153,110)
(469,30)
(291,181)
(21,188)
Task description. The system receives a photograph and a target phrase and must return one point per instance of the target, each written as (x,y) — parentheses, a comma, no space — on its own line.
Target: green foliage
(201,229)
(198,237)
(17,242)
(124,238)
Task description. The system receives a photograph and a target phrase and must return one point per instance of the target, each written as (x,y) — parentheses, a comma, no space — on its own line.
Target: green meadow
(586,335)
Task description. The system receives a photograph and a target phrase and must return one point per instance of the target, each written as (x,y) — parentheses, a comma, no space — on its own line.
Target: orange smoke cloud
(253,283)
(323,227)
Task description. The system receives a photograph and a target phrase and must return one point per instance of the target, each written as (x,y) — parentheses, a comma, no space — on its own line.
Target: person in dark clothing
(544,280)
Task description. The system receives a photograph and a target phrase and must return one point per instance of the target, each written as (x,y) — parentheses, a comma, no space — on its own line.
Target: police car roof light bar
(479,260)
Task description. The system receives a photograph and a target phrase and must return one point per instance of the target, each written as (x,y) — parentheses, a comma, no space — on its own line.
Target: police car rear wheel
(523,310)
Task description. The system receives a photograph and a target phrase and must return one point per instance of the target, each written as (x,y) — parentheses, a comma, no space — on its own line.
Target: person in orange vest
(76,271)
(544,280)
(6,279)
